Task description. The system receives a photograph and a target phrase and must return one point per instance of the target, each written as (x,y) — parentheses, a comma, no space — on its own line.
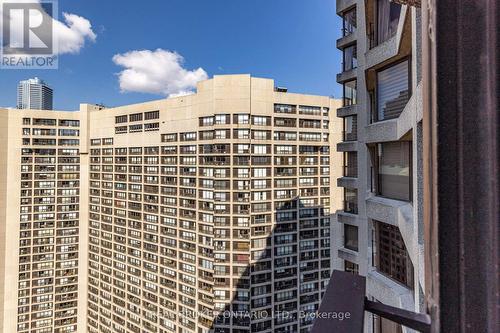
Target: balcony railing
(345,296)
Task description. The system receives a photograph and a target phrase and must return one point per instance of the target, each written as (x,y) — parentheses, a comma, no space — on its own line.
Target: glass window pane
(392,90)
(394,170)
(387,19)
(351,237)
(349,22)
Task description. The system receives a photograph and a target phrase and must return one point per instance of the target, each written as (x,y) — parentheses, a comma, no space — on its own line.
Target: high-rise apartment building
(42,265)
(207,212)
(379,231)
(34,94)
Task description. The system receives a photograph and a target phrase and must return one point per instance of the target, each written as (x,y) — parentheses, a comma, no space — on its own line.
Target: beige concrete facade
(379,231)
(41,266)
(187,207)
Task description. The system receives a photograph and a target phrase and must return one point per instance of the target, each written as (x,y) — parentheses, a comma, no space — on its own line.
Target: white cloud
(158,72)
(70,35)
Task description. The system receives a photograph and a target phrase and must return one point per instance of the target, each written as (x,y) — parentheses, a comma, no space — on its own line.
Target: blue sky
(292,41)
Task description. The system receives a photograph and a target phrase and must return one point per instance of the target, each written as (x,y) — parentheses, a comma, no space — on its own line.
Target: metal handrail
(417,321)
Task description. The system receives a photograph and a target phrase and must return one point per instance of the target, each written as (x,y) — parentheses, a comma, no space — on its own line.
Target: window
(350,93)
(260,149)
(70,123)
(284,250)
(135,150)
(135,117)
(310,136)
(350,164)
(350,128)
(259,183)
(382,325)
(285,122)
(243,173)
(152,127)
(285,136)
(310,110)
(221,119)
(242,134)
(388,13)
(188,160)
(285,183)
(135,128)
(120,119)
(307,123)
(349,22)
(303,181)
(206,121)
(351,267)
(107,141)
(351,201)
(261,121)
(284,108)
(44,122)
(69,132)
(44,131)
(260,196)
(393,90)
(351,237)
(242,149)
(284,150)
(242,119)
(121,129)
(350,54)
(188,149)
(169,137)
(222,134)
(206,135)
(152,115)
(260,172)
(390,254)
(394,170)
(261,135)
(189,136)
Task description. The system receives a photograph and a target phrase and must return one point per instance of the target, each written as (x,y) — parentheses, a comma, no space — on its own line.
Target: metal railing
(345,295)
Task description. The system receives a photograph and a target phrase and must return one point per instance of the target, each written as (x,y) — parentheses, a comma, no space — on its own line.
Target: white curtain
(350,58)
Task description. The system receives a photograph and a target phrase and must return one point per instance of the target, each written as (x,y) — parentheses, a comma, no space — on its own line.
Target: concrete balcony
(395,129)
(390,48)
(389,211)
(349,182)
(397,213)
(382,131)
(346,111)
(389,291)
(348,218)
(347,146)
(346,40)
(348,255)
(347,75)
(342,5)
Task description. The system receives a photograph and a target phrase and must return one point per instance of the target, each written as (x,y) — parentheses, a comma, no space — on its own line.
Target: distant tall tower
(34,94)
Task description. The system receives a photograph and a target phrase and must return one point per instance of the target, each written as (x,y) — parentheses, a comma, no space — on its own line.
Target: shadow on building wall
(281,289)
